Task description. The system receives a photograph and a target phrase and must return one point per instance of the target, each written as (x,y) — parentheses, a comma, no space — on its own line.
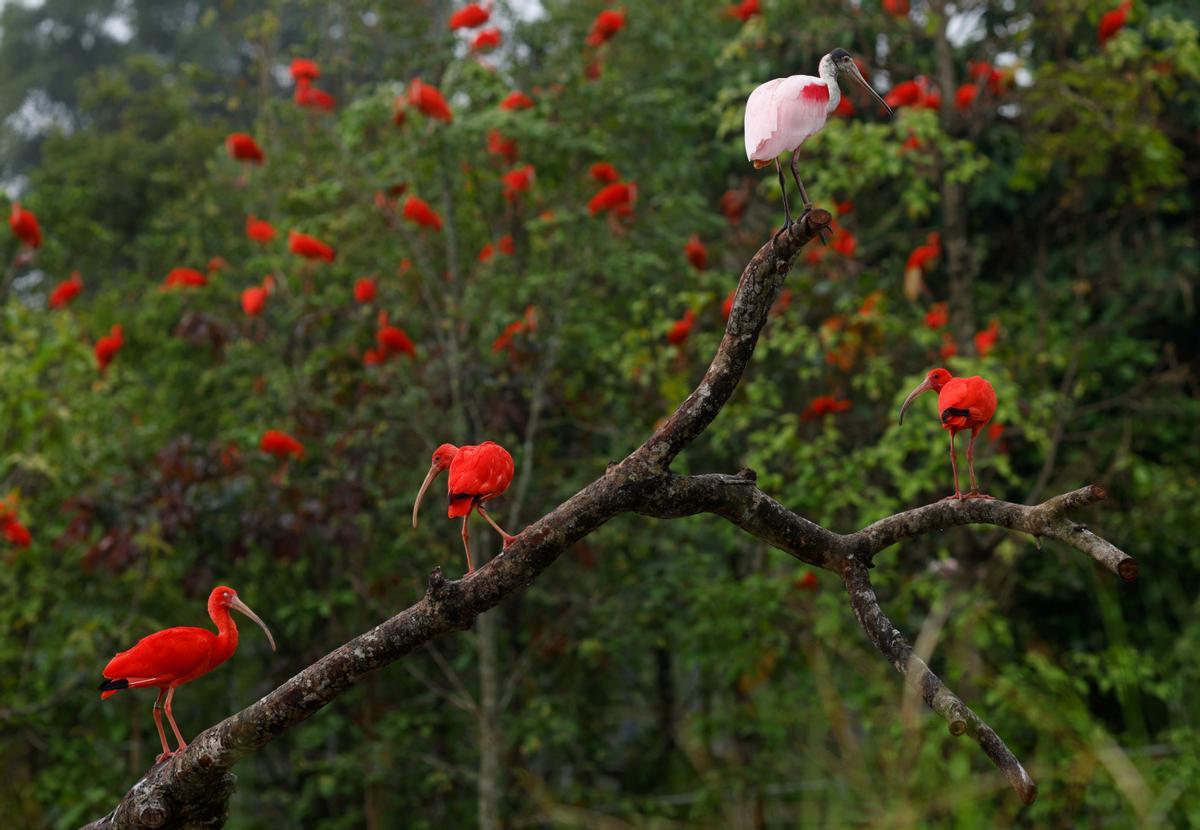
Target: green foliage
(663,674)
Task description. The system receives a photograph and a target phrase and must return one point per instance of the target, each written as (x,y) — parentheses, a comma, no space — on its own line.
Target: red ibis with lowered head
(477,473)
(963,403)
(782,113)
(174,656)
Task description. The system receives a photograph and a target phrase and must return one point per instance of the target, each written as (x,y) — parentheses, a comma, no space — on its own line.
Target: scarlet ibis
(477,473)
(963,403)
(605,26)
(782,113)
(516,100)
(259,230)
(106,347)
(25,226)
(174,656)
(364,290)
(66,291)
(303,69)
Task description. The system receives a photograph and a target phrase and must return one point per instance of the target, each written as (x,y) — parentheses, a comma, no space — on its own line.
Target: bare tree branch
(191,789)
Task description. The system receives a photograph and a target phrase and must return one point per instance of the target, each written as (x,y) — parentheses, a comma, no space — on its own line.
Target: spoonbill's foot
(787,228)
(958,496)
(975,494)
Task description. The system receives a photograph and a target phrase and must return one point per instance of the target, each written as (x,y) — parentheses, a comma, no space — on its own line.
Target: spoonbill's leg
(954,466)
(796,176)
(487,517)
(467,545)
(171,720)
(162,736)
(974,494)
(787,209)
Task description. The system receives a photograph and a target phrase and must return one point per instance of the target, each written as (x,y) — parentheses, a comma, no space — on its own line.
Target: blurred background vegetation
(663,674)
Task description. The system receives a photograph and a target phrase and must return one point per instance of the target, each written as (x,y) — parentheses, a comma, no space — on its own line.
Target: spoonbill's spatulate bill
(781,114)
(477,473)
(174,656)
(963,403)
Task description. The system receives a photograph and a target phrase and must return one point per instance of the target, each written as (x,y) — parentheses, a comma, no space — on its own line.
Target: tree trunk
(491,739)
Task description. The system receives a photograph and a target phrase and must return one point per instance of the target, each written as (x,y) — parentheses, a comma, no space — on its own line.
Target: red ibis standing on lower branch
(963,403)
(477,473)
(175,656)
(782,113)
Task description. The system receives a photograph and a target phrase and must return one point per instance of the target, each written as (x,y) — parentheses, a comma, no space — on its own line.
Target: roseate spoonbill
(477,474)
(174,656)
(782,113)
(963,403)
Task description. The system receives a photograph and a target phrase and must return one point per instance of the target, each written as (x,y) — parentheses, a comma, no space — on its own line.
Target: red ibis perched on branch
(477,473)
(174,656)
(782,113)
(963,403)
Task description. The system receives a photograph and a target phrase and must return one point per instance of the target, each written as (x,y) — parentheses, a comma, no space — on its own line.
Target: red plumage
(419,212)
(66,291)
(469,16)
(963,403)
(428,99)
(243,147)
(25,226)
(605,26)
(309,247)
(478,473)
(304,70)
(260,230)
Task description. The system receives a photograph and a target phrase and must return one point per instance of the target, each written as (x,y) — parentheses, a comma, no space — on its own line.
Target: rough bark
(191,790)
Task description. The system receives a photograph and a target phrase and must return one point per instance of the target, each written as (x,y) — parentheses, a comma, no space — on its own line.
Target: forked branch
(191,789)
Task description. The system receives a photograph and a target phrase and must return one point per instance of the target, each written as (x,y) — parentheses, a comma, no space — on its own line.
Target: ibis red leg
(974,493)
(954,466)
(487,517)
(467,544)
(171,720)
(162,736)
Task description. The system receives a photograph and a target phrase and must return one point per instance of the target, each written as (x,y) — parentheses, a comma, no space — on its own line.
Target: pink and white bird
(781,114)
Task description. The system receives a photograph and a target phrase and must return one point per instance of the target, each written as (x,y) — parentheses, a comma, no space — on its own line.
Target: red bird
(419,212)
(304,70)
(963,403)
(605,26)
(254,300)
(309,247)
(477,474)
(307,95)
(899,8)
(965,95)
(174,656)
(106,347)
(696,253)
(25,226)
(498,145)
(604,172)
(487,39)
(469,16)
(259,230)
(506,245)
(744,10)
(243,147)
(364,290)
(613,197)
(1113,22)
(184,278)
(516,100)
(279,444)
(428,99)
(66,291)
(681,329)
(393,340)
(937,316)
(517,181)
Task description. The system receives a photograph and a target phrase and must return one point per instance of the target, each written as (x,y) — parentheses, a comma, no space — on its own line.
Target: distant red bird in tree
(824,405)
(681,329)
(744,10)
(487,39)
(937,316)
(15,533)
(106,347)
(517,181)
(392,340)
(259,230)
(364,290)
(169,658)
(66,291)
(469,17)
(279,444)
(25,226)
(965,95)
(990,75)
(727,306)
(516,100)
(696,253)
(844,242)
(1113,22)
(303,69)
(733,204)
(527,323)
(899,8)
(419,212)
(309,247)
(307,95)
(963,403)
(486,252)
(428,99)
(604,172)
(920,261)
(986,339)
(254,299)
(477,474)
(243,147)
(184,278)
(498,145)
(613,197)
(605,26)
(506,245)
